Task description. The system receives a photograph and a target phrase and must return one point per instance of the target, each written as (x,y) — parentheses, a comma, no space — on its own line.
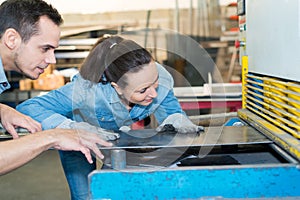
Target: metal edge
(277,135)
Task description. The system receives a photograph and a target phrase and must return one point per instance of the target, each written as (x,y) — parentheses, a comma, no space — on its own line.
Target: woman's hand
(181,123)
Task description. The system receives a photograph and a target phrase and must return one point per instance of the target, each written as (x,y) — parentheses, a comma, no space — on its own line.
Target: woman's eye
(143,91)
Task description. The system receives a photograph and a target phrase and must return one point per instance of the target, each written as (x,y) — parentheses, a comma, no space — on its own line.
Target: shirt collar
(111,93)
(4,84)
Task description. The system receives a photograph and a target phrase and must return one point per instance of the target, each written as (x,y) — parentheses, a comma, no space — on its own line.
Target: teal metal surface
(272,181)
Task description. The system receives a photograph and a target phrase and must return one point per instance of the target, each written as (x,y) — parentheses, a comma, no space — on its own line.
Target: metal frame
(253,181)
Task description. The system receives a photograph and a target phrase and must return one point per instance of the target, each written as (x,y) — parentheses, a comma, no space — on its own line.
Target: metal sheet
(212,136)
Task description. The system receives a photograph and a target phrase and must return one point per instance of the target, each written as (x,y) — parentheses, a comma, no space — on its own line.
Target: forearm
(17,152)
(48,108)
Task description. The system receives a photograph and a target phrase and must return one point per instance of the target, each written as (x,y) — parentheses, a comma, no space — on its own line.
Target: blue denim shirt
(99,104)
(4,84)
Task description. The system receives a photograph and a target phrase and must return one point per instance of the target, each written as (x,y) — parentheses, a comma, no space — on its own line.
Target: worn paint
(198,182)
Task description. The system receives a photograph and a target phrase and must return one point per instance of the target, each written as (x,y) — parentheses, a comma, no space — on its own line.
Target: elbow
(23,108)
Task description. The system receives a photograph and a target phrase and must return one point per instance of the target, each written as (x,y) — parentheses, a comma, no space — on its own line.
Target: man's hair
(24,15)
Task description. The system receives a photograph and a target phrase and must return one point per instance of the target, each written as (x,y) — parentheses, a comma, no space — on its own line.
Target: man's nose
(50,59)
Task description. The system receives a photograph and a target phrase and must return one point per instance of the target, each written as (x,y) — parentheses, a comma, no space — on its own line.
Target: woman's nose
(152,92)
(50,59)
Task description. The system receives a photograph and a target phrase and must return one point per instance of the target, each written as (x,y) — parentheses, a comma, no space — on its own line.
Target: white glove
(102,133)
(181,123)
(125,129)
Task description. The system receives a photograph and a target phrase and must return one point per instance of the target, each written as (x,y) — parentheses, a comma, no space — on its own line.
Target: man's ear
(11,38)
(117,88)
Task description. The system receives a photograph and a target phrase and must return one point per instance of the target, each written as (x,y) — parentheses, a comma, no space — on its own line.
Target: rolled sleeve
(53,121)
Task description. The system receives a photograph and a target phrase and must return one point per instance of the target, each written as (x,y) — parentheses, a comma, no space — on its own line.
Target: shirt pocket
(106,120)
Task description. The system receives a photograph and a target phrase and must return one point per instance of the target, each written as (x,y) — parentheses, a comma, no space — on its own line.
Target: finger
(32,126)
(92,145)
(103,142)
(12,131)
(96,151)
(86,137)
(87,154)
(36,126)
(32,129)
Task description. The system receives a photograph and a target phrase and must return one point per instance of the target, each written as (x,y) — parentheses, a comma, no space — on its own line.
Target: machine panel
(273,37)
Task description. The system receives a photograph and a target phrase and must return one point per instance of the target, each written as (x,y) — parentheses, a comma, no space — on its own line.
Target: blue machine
(198,183)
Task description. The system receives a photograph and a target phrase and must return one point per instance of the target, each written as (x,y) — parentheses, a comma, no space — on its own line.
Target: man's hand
(11,119)
(77,140)
(181,123)
(104,134)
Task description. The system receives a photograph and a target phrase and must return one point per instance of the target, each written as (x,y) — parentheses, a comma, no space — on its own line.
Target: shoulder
(80,82)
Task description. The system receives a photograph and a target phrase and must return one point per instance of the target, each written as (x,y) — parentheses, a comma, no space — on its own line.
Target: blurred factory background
(213,25)
(235,66)
(161,26)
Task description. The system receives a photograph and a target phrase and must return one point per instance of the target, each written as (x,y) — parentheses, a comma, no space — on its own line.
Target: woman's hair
(24,15)
(111,57)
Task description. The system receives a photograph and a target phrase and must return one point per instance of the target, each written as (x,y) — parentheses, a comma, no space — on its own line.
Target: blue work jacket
(99,104)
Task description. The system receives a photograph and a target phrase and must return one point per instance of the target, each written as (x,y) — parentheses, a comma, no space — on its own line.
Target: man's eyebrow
(48,46)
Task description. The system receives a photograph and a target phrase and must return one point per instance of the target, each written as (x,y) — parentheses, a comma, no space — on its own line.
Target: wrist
(49,138)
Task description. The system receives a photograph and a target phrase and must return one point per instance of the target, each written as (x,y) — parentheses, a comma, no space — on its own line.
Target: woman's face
(141,88)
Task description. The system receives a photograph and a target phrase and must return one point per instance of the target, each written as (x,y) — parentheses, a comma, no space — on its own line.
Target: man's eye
(45,49)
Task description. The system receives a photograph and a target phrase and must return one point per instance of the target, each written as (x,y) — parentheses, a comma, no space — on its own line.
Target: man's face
(32,57)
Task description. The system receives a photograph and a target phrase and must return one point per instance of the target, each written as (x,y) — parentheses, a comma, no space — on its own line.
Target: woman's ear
(117,88)
(11,38)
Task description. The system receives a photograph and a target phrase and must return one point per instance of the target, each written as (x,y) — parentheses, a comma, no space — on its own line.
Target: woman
(119,83)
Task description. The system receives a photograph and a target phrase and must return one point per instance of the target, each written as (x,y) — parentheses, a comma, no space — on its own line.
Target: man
(29,34)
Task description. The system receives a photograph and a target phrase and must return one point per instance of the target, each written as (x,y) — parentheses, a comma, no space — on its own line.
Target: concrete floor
(42,178)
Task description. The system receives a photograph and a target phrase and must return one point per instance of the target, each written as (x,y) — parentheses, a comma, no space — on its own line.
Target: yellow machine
(269,54)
